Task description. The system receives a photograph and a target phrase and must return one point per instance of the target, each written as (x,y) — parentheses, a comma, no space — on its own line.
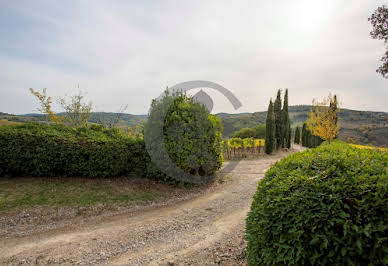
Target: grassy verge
(6,122)
(22,193)
(369,147)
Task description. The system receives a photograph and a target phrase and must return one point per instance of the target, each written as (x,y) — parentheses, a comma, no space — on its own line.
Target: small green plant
(325,206)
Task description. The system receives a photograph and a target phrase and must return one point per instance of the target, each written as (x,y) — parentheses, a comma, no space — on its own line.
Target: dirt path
(206,230)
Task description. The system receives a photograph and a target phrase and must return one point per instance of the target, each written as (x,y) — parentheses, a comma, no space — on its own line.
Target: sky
(127,52)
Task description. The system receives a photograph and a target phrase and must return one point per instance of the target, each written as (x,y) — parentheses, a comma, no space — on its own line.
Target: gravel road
(205,230)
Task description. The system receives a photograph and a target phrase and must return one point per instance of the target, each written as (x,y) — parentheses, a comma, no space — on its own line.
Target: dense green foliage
(257,132)
(297,135)
(286,124)
(325,206)
(280,121)
(279,138)
(181,134)
(56,150)
(308,139)
(270,129)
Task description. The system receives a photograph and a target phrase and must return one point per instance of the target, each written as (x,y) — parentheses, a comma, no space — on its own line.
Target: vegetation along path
(205,230)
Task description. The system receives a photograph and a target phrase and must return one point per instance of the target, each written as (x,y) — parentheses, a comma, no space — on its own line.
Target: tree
(257,132)
(77,112)
(270,129)
(286,125)
(297,135)
(244,133)
(278,121)
(45,103)
(304,135)
(183,139)
(334,108)
(322,120)
(379,21)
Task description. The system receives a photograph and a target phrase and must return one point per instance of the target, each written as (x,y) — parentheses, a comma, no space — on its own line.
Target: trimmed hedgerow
(57,150)
(325,206)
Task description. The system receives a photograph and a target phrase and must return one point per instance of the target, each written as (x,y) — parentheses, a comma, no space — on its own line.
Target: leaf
(358,244)
(314,241)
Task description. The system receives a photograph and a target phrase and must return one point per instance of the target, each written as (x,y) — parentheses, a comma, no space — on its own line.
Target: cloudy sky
(127,52)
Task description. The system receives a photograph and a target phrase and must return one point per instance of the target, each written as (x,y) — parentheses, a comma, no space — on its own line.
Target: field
(7,122)
(247,142)
(369,147)
(237,148)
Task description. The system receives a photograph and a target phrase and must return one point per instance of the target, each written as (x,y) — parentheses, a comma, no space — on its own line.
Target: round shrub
(183,139)
(325,206)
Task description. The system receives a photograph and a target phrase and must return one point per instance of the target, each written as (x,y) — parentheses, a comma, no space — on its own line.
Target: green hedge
(325,206)
(54,150)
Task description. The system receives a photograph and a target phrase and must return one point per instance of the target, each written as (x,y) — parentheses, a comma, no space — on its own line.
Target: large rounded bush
(325,206)
(183,139)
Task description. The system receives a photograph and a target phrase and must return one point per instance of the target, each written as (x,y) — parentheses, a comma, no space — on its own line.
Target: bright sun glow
(310,16)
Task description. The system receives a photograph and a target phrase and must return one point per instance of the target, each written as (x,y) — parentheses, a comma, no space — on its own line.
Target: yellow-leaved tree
(77,113)
(45,103)
(323,120)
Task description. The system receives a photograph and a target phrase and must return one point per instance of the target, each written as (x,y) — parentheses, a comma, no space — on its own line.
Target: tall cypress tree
(278,121)
(333,108)
(308,138)
(286,125)
(270,129)
(297,135)
(304,135)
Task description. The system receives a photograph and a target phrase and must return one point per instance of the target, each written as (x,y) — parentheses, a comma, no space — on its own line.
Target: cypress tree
(297,135)
(286,125)
(304,135)
(310,139)
(333,108)
(278,121)
(270,129)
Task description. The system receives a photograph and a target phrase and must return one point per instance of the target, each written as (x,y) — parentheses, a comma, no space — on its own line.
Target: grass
(369,147)
(21,193)
(7,122)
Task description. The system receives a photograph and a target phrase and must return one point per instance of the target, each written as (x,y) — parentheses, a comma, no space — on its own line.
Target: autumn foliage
(323,121)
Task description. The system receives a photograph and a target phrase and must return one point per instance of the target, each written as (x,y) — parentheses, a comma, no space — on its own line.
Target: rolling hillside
(96,117)
(363,127)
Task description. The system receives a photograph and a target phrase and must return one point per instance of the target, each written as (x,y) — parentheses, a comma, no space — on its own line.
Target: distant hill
(96,117)
(224,115)
(362,127)
(128,119)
